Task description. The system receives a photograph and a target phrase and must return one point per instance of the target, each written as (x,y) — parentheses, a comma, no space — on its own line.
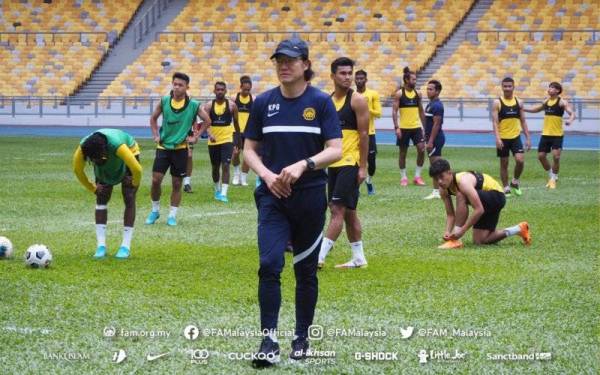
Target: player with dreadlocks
(114,155)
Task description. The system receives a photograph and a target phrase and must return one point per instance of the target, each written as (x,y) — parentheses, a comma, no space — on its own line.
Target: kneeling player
(481,192)
(115,156)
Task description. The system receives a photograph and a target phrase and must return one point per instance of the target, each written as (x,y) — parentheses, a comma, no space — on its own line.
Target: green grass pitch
(543,298)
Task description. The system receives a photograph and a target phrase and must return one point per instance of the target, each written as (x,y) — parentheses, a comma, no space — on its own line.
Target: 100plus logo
(199,356)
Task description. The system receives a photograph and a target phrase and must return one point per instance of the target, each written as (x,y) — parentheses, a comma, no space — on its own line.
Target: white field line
(205,214)
(27,330)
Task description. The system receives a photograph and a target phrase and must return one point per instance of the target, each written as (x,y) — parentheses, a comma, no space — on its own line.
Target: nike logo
(335,198)
(272,114)
(151,358)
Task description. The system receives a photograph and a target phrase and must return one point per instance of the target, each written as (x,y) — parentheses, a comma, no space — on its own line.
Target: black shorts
(220,154)
(416,135)
(493,201)
(176,160)
(550,142)
(342,186)
(127,174)
(438,144)
(513,145)
(372,144)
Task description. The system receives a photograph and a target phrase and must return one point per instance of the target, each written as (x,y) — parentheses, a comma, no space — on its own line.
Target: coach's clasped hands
(281,185)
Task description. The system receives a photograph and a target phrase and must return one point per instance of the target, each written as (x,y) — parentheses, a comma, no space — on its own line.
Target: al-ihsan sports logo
(309,114)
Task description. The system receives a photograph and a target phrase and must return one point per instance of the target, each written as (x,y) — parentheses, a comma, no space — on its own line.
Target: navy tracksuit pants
(299,218)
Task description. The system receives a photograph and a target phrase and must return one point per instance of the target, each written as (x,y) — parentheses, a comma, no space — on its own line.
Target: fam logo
(309,114)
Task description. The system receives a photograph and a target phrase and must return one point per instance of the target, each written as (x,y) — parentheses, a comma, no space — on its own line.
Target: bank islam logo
(119,356)
(407,332)
(191,332)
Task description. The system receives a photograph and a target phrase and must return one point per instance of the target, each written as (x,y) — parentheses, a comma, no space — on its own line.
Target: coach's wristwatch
(310,164)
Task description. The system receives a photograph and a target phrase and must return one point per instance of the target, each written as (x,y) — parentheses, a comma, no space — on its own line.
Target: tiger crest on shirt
(309,114)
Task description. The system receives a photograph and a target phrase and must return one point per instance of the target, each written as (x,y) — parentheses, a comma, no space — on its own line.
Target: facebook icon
(191,332)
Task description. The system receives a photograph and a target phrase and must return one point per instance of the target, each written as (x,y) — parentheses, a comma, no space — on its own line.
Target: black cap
(294,47)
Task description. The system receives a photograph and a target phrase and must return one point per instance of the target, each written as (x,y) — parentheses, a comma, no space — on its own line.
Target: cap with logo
(294,47)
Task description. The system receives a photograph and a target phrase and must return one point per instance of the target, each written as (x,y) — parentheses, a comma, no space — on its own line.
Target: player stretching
(484,195)
(115,157)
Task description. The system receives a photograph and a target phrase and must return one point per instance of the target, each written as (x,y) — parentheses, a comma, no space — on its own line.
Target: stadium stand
(229,60)
(47,70)
(105,16)
(228,39)
(321,15)
(55,46)
(477,68)
(247,32)
(541,14)
(535,42)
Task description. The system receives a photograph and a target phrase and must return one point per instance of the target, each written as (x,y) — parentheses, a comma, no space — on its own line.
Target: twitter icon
(407,332)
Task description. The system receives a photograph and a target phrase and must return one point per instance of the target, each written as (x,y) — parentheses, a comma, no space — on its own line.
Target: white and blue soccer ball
(38,256)
(6,248)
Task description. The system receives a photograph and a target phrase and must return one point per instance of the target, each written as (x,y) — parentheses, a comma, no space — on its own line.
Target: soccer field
(523,300)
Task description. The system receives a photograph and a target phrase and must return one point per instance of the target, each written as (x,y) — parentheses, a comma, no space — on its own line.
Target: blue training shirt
(293,129)
(434,108)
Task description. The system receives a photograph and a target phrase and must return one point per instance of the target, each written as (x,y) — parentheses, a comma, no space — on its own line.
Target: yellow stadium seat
(219,58)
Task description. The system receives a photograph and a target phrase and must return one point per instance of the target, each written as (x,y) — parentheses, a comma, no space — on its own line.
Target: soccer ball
(6,248)
(38,256)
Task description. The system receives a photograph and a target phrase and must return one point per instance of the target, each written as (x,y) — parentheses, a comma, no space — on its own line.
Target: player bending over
(484,195)
(115,157)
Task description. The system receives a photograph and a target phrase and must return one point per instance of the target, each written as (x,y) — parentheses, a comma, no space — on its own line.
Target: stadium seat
(533,60)
(67,15)
(56,63)
(373,51)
